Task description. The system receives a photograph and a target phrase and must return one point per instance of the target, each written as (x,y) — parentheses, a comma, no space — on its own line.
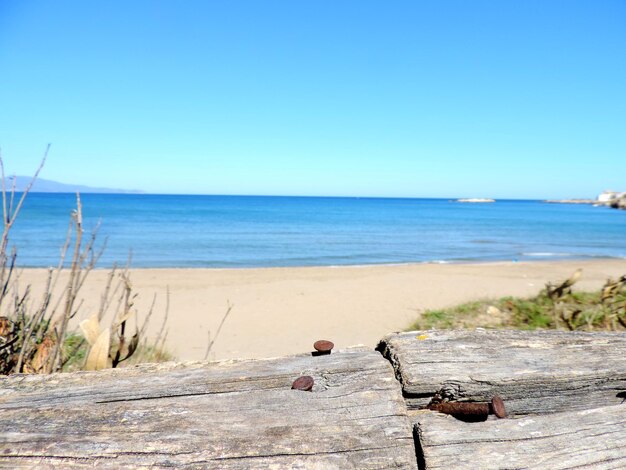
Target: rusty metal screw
(323,347)
(461,408)
(304,383)
(471,409)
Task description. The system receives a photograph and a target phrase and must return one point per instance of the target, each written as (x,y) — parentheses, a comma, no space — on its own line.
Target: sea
(191,231)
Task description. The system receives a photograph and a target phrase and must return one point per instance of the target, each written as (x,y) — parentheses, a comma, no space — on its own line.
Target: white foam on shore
(547,254)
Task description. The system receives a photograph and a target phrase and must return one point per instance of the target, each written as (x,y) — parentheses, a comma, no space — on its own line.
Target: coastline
(283,310)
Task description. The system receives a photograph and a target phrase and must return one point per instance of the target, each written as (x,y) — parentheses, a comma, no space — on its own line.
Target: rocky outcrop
(613,199)
(619,203)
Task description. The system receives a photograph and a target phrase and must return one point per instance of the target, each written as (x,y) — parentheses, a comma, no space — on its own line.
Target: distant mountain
(48,186)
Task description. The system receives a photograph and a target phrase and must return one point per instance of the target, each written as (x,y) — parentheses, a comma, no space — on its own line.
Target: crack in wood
(301,454)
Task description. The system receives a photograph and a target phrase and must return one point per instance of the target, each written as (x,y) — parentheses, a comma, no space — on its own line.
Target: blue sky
(356,98)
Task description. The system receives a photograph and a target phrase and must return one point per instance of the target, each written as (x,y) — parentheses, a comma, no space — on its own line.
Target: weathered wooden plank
(594,438)
(211,415)
(534,372)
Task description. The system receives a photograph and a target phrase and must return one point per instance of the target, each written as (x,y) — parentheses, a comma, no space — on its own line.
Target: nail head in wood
(323,346)
(497,407)
(304,383)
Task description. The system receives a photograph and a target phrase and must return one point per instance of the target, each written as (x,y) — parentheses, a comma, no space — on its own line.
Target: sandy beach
(279,311)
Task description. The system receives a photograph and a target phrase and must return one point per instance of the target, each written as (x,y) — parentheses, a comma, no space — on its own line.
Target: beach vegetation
(557,306)
(439,318)
(38,335)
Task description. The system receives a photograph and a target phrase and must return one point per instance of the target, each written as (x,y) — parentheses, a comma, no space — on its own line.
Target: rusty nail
(323,346)
(461,408)
(497,407)
(304,383)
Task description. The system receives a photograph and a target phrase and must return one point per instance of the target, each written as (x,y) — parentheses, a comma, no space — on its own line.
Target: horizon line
(450,198)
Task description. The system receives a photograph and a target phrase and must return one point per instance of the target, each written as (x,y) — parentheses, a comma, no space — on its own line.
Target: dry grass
(556,307)
(34,333)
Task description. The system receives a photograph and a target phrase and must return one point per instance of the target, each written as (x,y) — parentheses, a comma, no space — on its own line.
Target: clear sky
(506,99)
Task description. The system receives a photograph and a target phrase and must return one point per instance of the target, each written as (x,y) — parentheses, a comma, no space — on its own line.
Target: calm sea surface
(246,231)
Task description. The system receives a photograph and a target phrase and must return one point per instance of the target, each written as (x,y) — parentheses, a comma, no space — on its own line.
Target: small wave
(571,255)
(547,254)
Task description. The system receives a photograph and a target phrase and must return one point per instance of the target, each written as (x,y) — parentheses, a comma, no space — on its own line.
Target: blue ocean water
(251,231)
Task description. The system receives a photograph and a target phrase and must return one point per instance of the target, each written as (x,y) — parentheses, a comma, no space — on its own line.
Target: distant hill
(49,186)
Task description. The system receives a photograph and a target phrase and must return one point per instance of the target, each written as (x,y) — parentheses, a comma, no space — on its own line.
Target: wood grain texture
(211,415)
(593,438)
(534,372)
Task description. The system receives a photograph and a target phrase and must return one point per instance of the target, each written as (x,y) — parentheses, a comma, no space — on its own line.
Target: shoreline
(284,310)
(539,258)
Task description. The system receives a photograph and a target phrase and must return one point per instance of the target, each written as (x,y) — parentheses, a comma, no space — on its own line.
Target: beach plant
(15,331)
(212,339)
(35,334)
(557,306)
(613,296)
